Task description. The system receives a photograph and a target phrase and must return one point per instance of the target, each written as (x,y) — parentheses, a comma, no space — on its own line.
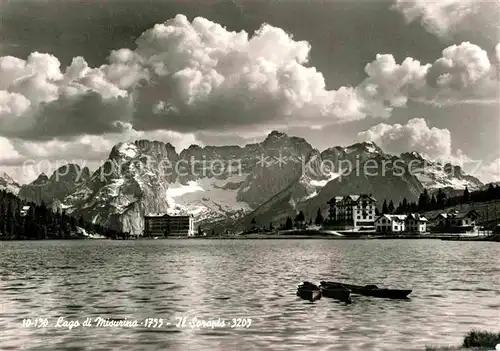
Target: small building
(415,223)
(388,223)
(456,222)
(168,225)
(25,210)
(355,211)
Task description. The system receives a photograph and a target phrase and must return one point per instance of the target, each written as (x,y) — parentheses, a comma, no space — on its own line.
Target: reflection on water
(455,288)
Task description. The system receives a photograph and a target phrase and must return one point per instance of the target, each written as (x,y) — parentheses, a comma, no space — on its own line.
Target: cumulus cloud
(461,67)
(38,100)
(187,75)
(464,74)
(191,76)
(448,17)
(416,135)
(390,84)
(212,76)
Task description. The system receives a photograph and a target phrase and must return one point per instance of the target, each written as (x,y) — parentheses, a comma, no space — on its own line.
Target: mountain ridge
(225,184)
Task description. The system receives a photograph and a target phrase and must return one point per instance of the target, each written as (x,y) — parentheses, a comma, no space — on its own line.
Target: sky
(78,76)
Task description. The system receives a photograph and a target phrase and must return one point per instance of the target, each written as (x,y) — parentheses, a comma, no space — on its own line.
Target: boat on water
(493,237)
(309,291)
(369,290)
(336,292)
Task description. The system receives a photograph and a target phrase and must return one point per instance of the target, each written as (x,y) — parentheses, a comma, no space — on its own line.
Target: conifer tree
(385,209)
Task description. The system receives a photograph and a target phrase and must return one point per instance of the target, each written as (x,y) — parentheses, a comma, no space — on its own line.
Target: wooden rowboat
(309,291)
(337,292)
(369,290)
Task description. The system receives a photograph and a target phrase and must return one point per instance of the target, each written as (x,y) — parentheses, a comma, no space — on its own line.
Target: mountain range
(228,186)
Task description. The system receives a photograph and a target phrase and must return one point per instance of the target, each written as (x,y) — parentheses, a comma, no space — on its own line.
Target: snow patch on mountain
(436,175)
(127,149)
(207,198)
(322,183)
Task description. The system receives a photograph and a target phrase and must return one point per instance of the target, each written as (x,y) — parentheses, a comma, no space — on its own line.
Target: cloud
(212,76)
(416,135)
(461,67)
(464,74)
(188,75)
(389,84)
(445,18)
(8,150)
(491,172)
(197,76)
(37,100)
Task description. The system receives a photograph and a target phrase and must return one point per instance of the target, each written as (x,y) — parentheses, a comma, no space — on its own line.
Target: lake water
(455,286)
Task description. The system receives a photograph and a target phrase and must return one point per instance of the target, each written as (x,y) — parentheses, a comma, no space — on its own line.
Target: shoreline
(270,237)
(298,235)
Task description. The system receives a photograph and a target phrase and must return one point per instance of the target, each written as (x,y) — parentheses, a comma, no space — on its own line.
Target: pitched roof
(466,214)
(368,196)
(160,215)
(442,215)
(416,217)
(392,217)
(351,197)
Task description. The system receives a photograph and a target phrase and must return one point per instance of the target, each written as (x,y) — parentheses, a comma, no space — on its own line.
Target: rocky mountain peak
(276,135)
(70,171)
(155,146)
(8,184)
(42,178)
(365,146)
(284,143)
(131,150)
(123,149)
(409,156)
(6,177)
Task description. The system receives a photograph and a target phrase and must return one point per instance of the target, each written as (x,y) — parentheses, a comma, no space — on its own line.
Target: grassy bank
(474,340)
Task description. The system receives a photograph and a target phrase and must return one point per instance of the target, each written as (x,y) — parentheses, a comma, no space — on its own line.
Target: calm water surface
(455,286)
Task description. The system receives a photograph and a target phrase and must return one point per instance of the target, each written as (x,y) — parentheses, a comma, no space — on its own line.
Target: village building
(25,210)
(456,222)
(352,211)
(415,223)
(167,225)
(412,223)
(388,223)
